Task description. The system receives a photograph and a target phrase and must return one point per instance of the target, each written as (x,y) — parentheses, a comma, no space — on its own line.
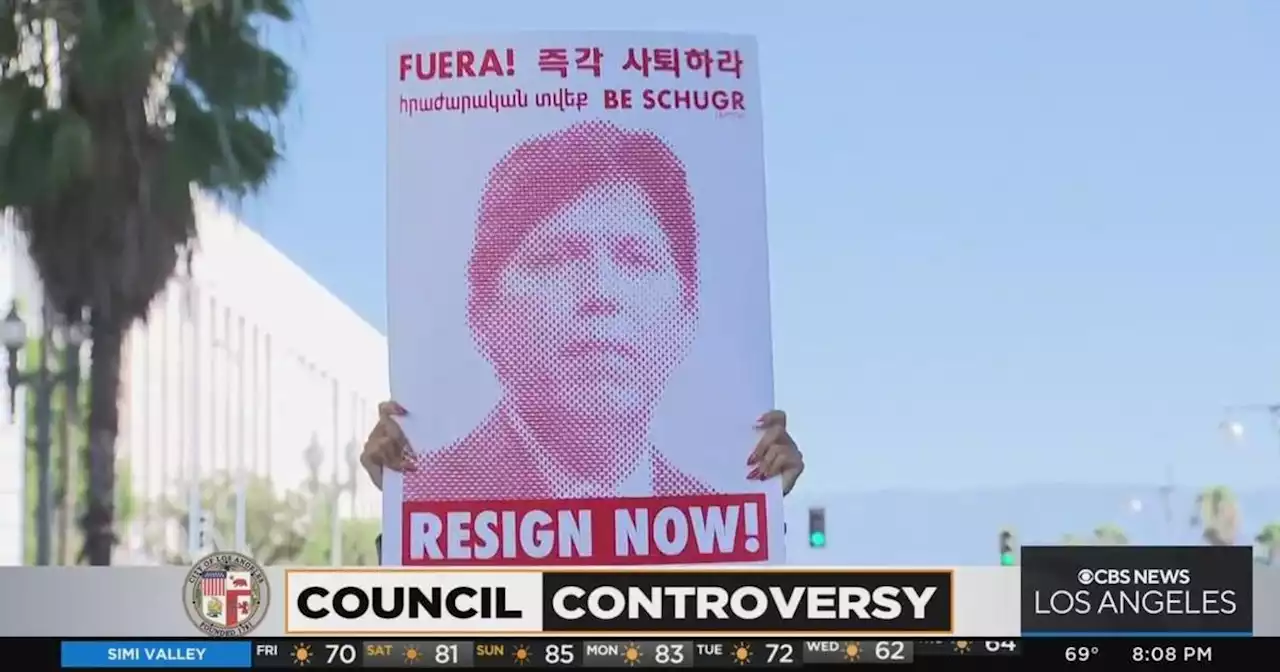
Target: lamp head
(314,454)
(76,333)
(13,331)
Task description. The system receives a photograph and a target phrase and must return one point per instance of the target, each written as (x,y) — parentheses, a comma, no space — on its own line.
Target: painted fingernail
(752,459)
(754,475)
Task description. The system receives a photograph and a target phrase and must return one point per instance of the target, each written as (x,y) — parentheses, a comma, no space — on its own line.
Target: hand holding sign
(387,447)
(775,455)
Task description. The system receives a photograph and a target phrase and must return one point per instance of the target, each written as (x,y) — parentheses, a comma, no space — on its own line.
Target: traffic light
(817,527)
(1007,556)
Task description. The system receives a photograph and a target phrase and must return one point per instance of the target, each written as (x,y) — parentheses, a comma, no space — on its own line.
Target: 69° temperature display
(1079,654)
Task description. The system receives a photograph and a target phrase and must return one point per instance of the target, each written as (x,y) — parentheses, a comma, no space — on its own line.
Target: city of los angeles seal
(226,594)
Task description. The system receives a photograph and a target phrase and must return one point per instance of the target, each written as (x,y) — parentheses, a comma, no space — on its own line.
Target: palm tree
(1104,535)
(111,111)
(1218,515)
(1269,540)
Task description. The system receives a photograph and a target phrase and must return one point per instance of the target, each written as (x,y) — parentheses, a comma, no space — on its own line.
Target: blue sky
(1011,242)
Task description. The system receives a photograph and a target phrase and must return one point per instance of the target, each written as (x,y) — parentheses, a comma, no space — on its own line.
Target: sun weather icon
(521,656)
(302,654)
(412,656)
(631,654)
(962,646)
(742,653)
(852,651)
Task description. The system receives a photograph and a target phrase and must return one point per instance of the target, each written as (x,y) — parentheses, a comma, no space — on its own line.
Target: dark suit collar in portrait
(496,462)
(638,481)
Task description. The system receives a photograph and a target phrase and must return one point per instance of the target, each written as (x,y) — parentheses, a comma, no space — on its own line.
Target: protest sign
(578,301)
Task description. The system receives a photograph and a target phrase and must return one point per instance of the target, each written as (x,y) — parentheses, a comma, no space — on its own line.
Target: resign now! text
(620,531)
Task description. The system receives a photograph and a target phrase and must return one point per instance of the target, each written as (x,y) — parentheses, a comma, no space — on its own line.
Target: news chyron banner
(519,602)
(1136,590)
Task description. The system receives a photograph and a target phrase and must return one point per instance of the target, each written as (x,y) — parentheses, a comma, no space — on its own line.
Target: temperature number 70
(340,653)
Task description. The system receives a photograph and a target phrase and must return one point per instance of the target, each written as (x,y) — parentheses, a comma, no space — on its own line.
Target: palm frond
(110,112)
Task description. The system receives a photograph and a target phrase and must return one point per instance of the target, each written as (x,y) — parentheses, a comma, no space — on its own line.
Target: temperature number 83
(668,654)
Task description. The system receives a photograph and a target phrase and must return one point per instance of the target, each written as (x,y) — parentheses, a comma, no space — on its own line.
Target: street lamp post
(314,457)
(13,331)
(353,467)
(335,519)
(74,336)
(42,382)
(340,488)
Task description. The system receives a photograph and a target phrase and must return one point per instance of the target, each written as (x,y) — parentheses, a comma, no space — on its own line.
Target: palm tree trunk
(104,424)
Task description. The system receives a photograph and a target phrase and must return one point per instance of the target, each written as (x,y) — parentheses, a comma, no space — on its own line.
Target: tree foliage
(1269,542)
(1103,535)
(281,528)
(358,537)
(1217,515)
(111,111)
(1110,535)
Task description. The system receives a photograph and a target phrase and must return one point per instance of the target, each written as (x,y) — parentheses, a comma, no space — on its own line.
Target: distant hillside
(961,527)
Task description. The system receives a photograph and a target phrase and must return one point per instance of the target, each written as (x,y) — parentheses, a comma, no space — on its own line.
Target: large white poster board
(579,301)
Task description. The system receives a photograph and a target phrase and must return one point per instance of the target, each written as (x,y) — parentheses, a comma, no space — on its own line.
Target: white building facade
(17,283)
(239,369)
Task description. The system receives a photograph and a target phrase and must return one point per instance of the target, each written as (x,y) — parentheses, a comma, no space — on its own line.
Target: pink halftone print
(583,295)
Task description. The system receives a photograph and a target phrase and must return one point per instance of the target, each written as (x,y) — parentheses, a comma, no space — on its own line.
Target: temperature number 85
(1079,654)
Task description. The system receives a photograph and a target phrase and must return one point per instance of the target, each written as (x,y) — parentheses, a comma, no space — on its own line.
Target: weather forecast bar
(620,653)
(1081,652)
(535,653)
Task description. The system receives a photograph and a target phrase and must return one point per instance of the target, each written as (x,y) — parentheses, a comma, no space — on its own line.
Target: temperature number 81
(1079,654)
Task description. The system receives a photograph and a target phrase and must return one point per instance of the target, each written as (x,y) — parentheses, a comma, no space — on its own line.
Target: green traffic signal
(817,527)
(1007,559)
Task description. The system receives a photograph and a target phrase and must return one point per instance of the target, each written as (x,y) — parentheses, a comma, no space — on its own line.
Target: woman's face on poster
(592,311)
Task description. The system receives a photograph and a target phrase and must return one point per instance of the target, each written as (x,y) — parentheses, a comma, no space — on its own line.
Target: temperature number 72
(779,653)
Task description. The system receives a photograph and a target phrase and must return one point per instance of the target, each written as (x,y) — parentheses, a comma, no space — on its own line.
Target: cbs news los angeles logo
(226,595)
